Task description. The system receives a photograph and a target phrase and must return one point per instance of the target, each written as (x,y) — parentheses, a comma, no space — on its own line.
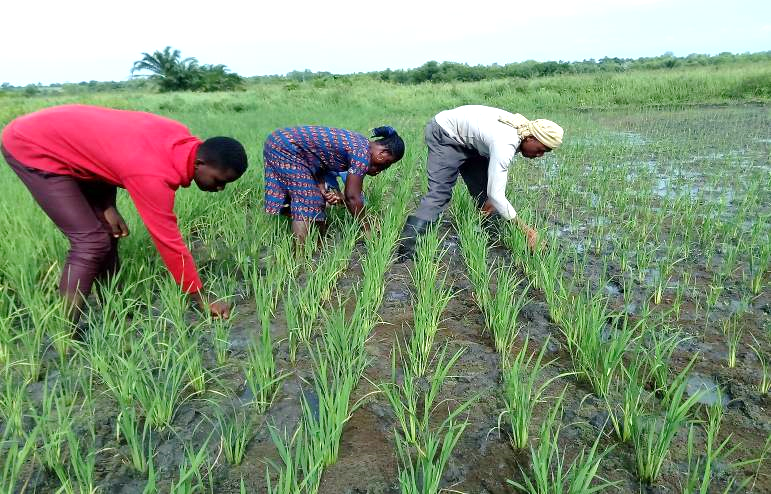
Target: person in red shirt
(73,157)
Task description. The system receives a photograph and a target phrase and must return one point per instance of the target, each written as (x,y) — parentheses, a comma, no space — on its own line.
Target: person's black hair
(224,153)
(390,140)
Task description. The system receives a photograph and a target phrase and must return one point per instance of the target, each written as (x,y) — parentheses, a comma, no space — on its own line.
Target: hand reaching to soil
(219,310)
(531,234)
(216,309)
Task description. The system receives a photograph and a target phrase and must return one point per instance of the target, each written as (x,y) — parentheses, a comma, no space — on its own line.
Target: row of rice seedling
(339,359)
(525,382)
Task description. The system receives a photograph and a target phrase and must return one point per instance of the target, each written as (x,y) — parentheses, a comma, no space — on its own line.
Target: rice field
(631,353)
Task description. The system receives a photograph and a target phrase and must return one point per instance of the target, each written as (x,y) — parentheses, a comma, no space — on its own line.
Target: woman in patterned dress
(297,159)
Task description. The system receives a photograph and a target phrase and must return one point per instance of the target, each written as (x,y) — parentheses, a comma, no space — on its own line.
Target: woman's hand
(333,197)
(116,223)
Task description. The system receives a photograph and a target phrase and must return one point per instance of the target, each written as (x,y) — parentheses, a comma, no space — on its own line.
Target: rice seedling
(29,341)
(302,305)
(406,400)
(657,355)
(764,385)
(474,246)
(700,467)
(503,308)
(53,425)
(262,377)
(522,391)
(195,471)
(422,474)
(300,471)
(116,369)
(550,472)
(82,461)
(423,451)
(734,333)
(597,347)
(17,451)
(13,402)
(160,384)
(428,302)
(652,436)
(235,434)
(138,438)
(759,264)
(221,340)
(634,400)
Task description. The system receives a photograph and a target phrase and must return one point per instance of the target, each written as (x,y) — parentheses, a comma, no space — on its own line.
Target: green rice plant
(503,308)
(652,436)
(221,340)
(194,471)
(474,246)
(334,380)
(658,354)
(235,434)
(53,424)
(428,302)
(700,467)
(765,370)
(546,272)
(422,473)
(138,438)
(595,346)
(161,384)
(151,486)
(188,347)
(17,451)
(13,401)
(522,393)
(300,470)
(29,340)
(634,399)
(759,264)
(262,377)
(406,400)
(550,472)
(644,256)
(423,450)
(82,460)
(117,369)
(302,305)
(734,333)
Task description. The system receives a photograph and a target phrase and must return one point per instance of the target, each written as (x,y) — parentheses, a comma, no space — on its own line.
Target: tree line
(168,71)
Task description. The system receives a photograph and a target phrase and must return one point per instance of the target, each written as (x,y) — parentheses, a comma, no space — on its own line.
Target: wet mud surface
(483,460)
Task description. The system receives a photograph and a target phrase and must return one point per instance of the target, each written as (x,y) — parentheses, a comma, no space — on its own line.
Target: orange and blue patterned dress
(295,156)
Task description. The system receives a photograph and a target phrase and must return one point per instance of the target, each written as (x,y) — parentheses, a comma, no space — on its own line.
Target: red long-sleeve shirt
(148,155)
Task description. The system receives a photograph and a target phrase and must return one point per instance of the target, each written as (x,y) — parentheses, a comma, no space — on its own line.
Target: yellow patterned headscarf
(547,132)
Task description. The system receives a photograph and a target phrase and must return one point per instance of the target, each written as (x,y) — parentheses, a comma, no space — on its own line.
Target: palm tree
(171,71)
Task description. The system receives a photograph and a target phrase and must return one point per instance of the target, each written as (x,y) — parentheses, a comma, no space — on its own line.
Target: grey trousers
(446,159)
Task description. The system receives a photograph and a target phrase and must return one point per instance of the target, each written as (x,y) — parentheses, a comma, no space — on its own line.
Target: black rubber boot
(413,228)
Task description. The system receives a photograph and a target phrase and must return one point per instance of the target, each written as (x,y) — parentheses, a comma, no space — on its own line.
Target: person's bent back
(73,157)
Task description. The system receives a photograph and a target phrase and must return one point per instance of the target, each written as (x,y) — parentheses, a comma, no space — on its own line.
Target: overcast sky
(80,40)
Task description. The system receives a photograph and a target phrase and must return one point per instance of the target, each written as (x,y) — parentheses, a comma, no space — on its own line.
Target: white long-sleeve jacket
(477,127)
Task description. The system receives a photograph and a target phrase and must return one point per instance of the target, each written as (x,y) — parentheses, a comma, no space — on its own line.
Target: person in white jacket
(478,142)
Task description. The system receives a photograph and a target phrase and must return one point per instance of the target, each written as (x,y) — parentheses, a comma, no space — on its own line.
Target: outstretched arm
(353,188)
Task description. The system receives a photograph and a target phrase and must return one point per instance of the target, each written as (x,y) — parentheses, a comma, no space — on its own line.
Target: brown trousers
(77,208)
